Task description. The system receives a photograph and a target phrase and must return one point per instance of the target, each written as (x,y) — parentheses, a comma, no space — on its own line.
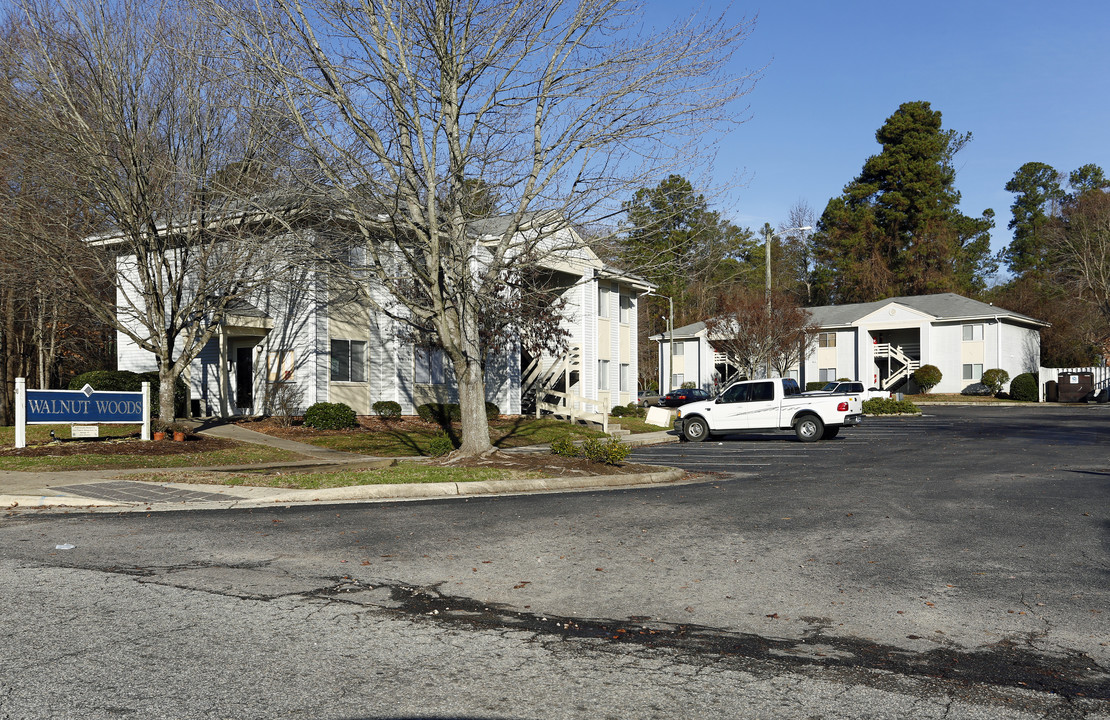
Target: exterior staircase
(615,430)
(546,392)
(906,365)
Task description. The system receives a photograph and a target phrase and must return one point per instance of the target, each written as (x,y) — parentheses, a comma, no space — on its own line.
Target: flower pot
(178,436)
(159,435)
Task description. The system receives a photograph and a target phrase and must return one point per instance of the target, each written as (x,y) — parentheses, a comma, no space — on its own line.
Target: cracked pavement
(964,576)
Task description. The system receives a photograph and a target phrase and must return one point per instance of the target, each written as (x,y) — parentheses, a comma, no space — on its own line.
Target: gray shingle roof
(942,306)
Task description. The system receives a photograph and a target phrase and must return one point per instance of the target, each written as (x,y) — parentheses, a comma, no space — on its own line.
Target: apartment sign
(85,406)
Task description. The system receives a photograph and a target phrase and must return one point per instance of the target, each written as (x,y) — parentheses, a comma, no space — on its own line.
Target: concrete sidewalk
(109,490)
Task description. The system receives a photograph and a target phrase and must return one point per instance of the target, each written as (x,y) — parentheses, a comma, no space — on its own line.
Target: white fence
(1101,375)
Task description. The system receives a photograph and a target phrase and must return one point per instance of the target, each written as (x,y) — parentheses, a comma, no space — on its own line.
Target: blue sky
(1029,80)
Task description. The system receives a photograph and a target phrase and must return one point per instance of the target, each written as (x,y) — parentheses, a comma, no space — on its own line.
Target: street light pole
(768,233)
(670,343)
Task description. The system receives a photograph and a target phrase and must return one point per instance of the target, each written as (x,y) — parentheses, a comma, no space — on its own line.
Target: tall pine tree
(897,229)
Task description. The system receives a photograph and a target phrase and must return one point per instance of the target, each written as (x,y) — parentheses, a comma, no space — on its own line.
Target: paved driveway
(951,566)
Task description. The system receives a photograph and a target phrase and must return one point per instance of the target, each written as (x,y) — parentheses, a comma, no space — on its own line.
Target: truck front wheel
(695,429)
(809,428)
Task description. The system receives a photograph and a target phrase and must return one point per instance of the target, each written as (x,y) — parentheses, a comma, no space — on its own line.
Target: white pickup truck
(775,404)
(852,388)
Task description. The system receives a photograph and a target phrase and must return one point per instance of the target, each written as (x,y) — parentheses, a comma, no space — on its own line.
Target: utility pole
(768,233)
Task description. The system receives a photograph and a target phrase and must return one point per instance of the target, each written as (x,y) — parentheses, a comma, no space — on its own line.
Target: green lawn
(406,439)
(402,472)
(240,454)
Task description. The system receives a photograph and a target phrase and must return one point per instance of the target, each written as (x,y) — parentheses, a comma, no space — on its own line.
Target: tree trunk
(472,404)
(165,392)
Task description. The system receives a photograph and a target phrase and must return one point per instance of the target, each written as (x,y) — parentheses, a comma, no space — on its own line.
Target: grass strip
(401,473)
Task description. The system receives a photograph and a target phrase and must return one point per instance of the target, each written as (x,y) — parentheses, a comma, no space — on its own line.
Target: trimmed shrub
(440,445)
(108,380)
(330,416)
(689,385)
(927,377)
(1024,388)
(387,409)
(629,410)
(447,413)
(995,379)
(612,452)
(889,406)
(564,447)
(439,413)
(127,381)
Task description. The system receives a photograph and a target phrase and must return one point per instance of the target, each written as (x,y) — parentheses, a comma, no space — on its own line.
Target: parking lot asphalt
(991,437)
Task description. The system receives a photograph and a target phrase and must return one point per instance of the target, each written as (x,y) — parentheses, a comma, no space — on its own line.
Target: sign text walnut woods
(39,407)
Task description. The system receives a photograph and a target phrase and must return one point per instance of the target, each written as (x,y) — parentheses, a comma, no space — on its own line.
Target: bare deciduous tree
(560,108)
(752,335)
(141,120)
(1080,248)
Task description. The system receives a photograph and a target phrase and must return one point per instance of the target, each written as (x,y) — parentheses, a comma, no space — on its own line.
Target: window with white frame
(827,374)
(973,333)
(973,371)
(348,360)
(677,380)
(826,339)
(678,348)
(602,374)
(603,291)
(624,378)
(430,365)
(626,309)
(279,366)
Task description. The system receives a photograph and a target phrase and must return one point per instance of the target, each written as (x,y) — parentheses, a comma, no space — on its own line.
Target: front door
(244,378)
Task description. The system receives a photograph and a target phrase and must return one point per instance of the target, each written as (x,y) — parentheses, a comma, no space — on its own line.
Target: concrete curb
(256,497)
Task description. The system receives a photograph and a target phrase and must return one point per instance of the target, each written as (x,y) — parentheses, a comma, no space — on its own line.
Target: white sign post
(21,412)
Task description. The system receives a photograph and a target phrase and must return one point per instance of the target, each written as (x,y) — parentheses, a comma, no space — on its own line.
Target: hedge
(127,381)
(330,416)
(447,413)
(889,406)
(1024,387)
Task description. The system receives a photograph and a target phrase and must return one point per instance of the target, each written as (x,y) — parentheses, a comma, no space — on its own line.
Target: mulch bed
(123,445)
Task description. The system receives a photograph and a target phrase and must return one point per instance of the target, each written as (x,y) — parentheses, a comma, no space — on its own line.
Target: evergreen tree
(674,240)
(1039,195)
(896,229)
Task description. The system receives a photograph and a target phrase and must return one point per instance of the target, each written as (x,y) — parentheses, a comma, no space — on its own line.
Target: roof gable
(894,313)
